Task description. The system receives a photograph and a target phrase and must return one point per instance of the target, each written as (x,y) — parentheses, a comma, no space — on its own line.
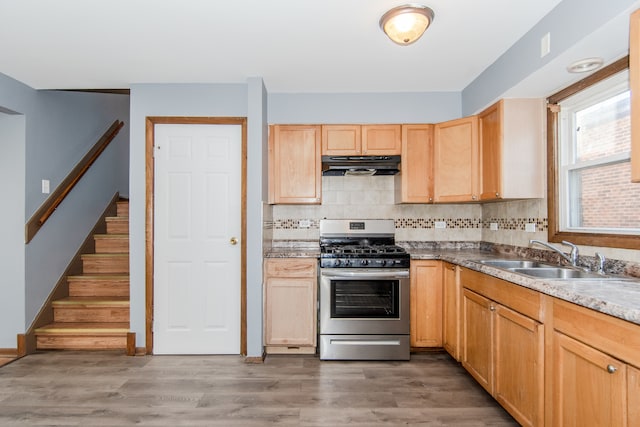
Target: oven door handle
(365,274)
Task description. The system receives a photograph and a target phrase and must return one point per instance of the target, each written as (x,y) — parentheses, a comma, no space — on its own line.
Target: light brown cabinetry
(634,85)
(456,161)
(290,305)
(295,170)
(451,296)
(512,149)
(369,140)
(503,343)
(426,303)
(595,368)
(414,183)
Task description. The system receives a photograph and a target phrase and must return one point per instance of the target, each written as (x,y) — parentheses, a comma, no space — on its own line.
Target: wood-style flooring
(107,388)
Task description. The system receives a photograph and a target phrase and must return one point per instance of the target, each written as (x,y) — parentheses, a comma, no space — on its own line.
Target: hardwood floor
(109,388)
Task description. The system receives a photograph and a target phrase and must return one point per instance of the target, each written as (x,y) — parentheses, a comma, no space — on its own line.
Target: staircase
(95,315)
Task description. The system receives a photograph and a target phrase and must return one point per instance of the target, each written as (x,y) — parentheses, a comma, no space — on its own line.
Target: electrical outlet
(45,186)
(493,226)
(304,223)
(530,228)
(440,224)
(545,45)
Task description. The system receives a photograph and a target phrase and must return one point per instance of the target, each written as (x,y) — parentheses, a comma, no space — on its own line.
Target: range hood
(360,165)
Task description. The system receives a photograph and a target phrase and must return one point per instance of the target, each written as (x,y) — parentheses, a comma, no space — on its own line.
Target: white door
(197,224)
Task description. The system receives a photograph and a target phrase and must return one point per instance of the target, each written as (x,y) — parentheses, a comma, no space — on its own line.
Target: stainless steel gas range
(364,291)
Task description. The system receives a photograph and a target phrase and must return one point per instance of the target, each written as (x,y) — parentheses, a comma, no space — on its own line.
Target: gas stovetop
(360,244)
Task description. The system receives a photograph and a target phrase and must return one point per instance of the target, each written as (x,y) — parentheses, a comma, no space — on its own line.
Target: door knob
(233,241)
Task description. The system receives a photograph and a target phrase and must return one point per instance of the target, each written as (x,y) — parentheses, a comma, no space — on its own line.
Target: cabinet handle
(474,197)
(493,308)
(497,194)
(611,369)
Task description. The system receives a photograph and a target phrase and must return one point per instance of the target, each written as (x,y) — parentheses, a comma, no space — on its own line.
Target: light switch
(530,228)
(304,223)
(545,45)
(440,224)
(493,226)
(45,186)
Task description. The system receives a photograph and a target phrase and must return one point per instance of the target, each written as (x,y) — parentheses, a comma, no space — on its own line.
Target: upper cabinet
(456,160)
(361,140)
(511,137)
(414,183)
(634,85)
(295,169)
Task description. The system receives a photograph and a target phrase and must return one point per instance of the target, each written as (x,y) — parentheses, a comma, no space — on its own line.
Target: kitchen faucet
(572,258)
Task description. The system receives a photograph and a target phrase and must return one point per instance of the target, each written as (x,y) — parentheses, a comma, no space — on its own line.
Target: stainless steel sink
(513,263)
(560,273)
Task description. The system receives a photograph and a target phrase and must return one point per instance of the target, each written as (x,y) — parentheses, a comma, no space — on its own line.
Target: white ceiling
(294,45)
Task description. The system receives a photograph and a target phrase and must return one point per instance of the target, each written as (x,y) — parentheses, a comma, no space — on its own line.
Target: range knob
(347,262)
(364,262)
(336,263)
(383,262)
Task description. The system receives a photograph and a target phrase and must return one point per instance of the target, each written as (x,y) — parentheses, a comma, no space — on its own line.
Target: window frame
(625,241)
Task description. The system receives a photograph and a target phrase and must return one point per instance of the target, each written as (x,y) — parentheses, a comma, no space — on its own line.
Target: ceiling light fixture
(406,24)
(585,65)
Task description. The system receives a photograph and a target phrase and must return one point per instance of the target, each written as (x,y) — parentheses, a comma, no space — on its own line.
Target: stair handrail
(52,202)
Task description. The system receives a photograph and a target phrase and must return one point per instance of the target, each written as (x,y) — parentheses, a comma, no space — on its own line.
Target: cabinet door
(490,130)
(589,387)
(456,162)
(341,140)
(414,183)
(519,366)
(381,140)
(295,169)
(451,310)
(634,85)
(290,307)
(477,335)
(426,304)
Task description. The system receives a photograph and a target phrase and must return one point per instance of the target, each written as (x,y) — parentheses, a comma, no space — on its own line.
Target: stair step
(102,285)
(117,224)
(105,263)
(91,309)
(111,243)
(122,208)
(82,336)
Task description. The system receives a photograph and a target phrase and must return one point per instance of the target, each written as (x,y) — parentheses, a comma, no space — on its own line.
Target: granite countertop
(618,298)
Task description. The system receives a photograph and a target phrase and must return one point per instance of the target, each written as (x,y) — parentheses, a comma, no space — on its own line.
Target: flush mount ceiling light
(585,65)
(406,24)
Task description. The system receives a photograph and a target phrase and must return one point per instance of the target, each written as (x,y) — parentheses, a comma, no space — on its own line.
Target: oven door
(364,301)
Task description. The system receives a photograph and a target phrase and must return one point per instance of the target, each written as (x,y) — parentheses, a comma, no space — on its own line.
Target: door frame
(150,123)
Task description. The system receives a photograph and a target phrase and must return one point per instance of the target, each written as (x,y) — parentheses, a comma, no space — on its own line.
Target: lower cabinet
(502,348)
(596,380)
(451,296)
(426,303)
(290,305)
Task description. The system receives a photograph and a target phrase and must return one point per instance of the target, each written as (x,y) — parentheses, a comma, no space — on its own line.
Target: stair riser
(122,209)
(112,246)
(94,314)
(106,265)
(79,342)
(117,227)
(98,289)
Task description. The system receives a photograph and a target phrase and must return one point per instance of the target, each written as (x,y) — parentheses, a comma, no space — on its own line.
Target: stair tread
(94,301)
(98,276)
(105,255)
(117,218)
(83,328)
(111,236)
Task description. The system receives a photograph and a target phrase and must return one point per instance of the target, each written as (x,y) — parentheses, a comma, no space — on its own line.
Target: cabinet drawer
(522,300)
(299,267)
(608,334)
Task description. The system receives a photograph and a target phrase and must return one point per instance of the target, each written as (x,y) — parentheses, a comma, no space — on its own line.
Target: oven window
(365,299)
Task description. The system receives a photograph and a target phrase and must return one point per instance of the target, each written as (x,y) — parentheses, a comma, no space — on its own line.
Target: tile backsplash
(369,197)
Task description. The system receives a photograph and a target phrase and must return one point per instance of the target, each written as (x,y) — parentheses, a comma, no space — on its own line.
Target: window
(591,198)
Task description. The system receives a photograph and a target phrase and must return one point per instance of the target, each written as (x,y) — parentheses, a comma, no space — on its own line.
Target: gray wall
(59,128)
(578,28)
(188,100)
(12,171)
(336,108)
